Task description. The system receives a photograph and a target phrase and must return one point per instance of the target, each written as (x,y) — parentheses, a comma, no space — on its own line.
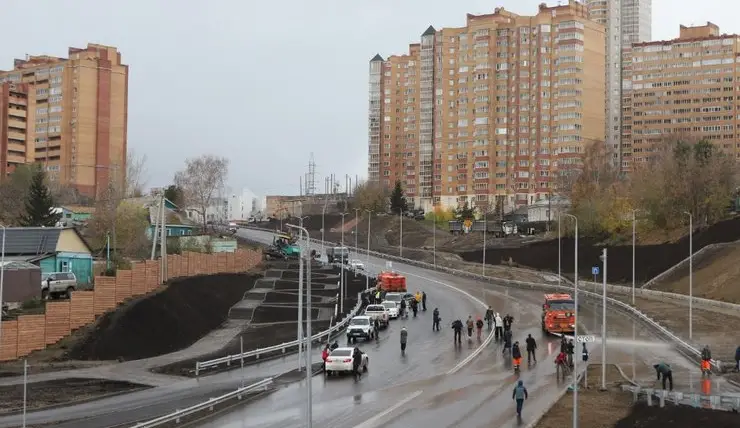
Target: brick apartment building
(687,85)
(488,113)
(67,114)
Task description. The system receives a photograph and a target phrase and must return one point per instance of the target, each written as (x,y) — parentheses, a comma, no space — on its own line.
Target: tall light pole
(603,325)
(2,279)
(634,240)
(301,262)
(575,327)
(485,232)
(691,274)
(367,258)
(309,374)
(357,221)
(400,233)
(434,236)
(323,214)
(341,268)
(560,247)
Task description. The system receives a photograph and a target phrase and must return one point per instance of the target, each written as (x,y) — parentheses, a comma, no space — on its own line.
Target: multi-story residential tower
(684,86)
(489,113)
(74,115)
(626,22)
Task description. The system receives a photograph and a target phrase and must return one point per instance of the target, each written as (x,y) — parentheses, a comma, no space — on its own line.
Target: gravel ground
(596,409)
(45,394)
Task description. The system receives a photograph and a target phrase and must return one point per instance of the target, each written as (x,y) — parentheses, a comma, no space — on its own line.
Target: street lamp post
(323,214)
(485,232)
(341,268)
(357,221)
(575,327)
(634,222)
(2,278)
(603,326)
(400,234)
(367,258)
(309,374)
(301,262)
(691,275)
(560,246)
(434,238)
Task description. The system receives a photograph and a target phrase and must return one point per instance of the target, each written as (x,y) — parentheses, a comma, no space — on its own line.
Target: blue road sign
(595,270)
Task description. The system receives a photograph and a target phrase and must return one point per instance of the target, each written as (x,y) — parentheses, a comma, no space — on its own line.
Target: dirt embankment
(170,320)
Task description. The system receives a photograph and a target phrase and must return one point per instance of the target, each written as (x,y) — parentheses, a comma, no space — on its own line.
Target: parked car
(58,284)
(360,326)
(356,264)
(340,361)
(379,312)
(392,308)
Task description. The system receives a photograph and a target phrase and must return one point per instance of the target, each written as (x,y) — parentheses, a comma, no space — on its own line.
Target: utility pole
(156,229)
(603,326)
(163,244)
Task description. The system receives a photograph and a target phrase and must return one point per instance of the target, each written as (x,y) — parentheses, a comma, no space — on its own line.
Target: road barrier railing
(725,402)
(686,348)
(178,415)
(283,348)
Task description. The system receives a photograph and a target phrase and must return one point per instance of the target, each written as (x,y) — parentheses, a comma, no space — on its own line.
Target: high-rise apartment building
(626,22)
(684,86)
(491,112)
(69,115)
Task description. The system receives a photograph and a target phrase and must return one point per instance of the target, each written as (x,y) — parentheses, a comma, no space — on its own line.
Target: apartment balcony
(17,100)
(16,112)
(16,136)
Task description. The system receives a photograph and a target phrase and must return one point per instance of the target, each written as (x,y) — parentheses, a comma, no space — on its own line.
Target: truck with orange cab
(391,282)
(558,313)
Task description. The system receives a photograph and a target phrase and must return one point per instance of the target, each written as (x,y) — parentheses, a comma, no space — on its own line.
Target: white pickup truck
(380,312)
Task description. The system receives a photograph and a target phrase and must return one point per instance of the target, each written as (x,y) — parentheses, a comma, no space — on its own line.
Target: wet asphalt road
(416,390)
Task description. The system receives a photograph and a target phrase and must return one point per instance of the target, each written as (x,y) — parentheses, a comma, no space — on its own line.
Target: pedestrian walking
(531,347)
(470,324)
(457,326)
(404,339)
(569,349)
(519,395)
(479,327)
(499,326)
(424,301)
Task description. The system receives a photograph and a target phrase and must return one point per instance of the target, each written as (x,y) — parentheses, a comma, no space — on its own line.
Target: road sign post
(595,273)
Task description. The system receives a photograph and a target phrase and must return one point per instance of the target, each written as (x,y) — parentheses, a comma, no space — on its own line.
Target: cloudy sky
(264,83)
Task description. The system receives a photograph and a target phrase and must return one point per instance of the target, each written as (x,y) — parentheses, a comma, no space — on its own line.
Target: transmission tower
(311,177)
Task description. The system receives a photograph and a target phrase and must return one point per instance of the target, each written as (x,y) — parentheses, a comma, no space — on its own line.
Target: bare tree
(136,170)
(200,182)
(371,196)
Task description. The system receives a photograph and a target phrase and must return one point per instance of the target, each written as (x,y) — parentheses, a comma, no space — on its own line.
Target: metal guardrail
(283,347)
(688,348)
(177,415)
(677,397)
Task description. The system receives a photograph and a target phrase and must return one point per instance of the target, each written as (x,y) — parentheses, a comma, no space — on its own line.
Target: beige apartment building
(682,86)
(489,113)
(69,115)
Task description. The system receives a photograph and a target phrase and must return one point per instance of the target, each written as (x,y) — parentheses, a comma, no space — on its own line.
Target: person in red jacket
(325,354)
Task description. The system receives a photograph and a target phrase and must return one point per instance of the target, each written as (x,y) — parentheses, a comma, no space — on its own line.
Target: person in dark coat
(570,349)
(415,307)
(564,345)
(424,301)
(516,355)
(356,362)
(664,370)
(435,319)
(403,313)
(507,340)
(531,347)
(737,359)
(457,326)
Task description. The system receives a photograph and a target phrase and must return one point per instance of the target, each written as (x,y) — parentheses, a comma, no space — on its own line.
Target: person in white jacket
(499,322)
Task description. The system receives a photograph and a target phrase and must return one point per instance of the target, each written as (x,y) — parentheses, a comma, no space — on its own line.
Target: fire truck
(391,282)
(558,314)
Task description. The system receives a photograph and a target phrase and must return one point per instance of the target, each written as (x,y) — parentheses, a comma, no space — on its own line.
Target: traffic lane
(425,357)
(332,403)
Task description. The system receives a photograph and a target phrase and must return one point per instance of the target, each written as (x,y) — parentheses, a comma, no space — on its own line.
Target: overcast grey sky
(264,83)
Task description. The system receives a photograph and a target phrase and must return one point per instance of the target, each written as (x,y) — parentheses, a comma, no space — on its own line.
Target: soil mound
(165,322)
(644,416)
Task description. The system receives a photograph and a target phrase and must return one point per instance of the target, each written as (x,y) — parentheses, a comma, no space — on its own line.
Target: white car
(341,361)
(356,265)
(379,312)
(360,326)
(392,308)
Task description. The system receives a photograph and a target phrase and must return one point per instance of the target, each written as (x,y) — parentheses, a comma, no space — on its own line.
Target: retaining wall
(34,332)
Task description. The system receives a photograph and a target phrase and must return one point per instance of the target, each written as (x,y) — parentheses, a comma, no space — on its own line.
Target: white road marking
(375,420)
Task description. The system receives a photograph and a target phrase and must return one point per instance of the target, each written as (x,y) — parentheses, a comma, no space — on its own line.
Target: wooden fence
(31,333)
